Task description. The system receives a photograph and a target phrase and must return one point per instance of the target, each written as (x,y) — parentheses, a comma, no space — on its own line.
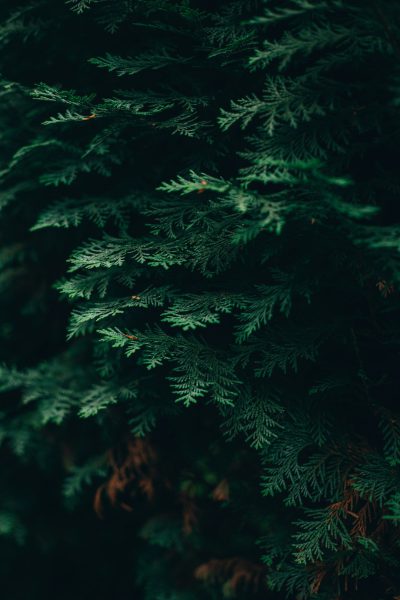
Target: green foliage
(199,299)
(80,477)
(130,66)
(321,530)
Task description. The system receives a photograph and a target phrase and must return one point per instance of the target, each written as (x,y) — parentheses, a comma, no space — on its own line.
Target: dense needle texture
(199,299)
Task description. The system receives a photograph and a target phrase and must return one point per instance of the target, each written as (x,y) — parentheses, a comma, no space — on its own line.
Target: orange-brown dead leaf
(385,288)
(130,337)
(134,473)
(221,491)
(204,183)
(234,573)
(89,117)
(319,577)
(189,513)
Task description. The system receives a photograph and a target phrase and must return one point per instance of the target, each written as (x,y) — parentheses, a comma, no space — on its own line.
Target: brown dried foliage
(318,578)
(385,288)
(221,491)
(363,513)
(366,521)
(235,573)
(190,513)
(136,472)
